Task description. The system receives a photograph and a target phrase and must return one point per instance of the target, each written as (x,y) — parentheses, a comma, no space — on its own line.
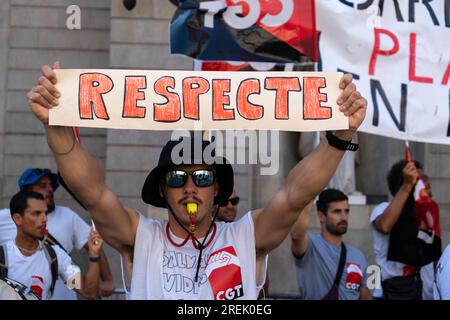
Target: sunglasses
(234,201)
(201,178)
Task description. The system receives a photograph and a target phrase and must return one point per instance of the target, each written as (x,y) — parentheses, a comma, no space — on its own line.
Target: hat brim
(225,176)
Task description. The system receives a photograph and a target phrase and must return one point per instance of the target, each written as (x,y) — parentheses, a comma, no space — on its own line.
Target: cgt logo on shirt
(354,276)
(224,274)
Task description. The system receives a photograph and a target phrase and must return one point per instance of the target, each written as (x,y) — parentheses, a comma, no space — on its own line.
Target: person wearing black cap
(189,256)
(65,228)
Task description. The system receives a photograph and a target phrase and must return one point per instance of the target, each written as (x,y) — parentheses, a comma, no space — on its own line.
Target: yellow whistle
(191,208)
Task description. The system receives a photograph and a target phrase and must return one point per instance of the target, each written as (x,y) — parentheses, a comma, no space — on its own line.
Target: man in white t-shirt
(65,227)
(189,256)
(401,179)
(29,261)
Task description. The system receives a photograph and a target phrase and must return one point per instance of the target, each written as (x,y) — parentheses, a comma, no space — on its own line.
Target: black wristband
(340,144)
(94,259)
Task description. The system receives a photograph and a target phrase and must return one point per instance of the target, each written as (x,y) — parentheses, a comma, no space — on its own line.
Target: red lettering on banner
(92,87)
(220,99)
(282,86)
(171,110)
(193,87)
(312,99)
(245,108)
(412,62)
(133,93)
(446,75)
(377,51)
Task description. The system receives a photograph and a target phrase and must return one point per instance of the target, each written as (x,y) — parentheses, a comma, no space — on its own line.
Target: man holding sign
(189,256)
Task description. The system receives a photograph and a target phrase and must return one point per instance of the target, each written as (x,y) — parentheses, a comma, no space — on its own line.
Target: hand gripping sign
(244,30)
(181,100)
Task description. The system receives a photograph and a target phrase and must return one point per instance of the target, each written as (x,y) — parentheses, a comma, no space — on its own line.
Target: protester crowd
(202,251)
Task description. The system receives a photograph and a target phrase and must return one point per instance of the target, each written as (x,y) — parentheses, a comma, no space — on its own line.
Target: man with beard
(327,268)
(65,228)
(35,264)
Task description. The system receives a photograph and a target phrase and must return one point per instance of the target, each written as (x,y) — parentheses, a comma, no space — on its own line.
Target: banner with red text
(399,53)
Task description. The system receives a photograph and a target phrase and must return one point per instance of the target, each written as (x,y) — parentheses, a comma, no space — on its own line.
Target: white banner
(399,53)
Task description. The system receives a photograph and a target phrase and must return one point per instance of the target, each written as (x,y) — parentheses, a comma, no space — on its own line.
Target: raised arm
(386,221)
(309,177)
(299,233)
(81,171)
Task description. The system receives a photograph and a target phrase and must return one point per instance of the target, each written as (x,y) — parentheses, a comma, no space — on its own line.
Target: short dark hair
(19,202)
(395,175)
(327,196)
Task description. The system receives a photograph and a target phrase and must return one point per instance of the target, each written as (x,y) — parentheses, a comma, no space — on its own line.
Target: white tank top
(162,270)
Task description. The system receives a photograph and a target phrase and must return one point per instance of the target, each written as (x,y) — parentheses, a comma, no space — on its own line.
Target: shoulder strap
(53,262)
(52,240)
(3,262)
(341,265)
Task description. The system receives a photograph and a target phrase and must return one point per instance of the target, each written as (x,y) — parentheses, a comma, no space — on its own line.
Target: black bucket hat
(224,172)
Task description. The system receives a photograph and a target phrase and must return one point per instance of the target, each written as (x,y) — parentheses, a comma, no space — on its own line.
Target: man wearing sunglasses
(189,256)
(228,212)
